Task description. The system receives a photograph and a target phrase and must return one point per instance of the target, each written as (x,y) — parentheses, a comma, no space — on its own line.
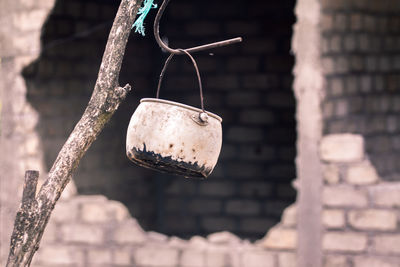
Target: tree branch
(34,213)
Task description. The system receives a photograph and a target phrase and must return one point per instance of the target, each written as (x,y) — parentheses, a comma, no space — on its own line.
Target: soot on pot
(155,161)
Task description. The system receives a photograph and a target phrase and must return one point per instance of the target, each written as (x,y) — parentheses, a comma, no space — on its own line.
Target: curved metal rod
(197,73)
(162,74)
(156,29)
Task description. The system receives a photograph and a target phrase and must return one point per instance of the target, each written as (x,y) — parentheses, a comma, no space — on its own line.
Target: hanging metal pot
(173,137)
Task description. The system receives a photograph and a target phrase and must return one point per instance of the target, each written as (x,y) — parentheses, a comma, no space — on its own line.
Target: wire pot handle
(183,51)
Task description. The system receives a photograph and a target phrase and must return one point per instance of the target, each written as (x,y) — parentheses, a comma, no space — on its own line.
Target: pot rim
(172,103)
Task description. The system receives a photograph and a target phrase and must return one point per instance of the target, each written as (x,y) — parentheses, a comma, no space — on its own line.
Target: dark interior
(249,85)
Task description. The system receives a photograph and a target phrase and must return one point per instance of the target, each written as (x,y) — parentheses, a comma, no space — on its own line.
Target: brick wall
(360,210)
(94,231)
(19,45)
(248,84)
(361,58)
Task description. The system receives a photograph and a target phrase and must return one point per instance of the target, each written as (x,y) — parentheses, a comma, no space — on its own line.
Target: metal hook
(156,29)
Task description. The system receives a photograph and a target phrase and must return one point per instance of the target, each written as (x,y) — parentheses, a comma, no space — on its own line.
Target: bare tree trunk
(35,210)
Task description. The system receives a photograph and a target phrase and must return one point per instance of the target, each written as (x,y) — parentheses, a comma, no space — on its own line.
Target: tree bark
(35,210)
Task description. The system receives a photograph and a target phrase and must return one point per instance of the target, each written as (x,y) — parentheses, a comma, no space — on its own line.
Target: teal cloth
(143,11)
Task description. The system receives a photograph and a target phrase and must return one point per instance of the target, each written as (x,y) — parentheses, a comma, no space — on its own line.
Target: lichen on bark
(35,209)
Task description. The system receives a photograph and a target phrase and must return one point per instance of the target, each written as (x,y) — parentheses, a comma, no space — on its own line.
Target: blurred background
(247,84)
(315,81)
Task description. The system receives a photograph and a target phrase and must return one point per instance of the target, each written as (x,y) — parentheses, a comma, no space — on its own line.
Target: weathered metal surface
(162,135)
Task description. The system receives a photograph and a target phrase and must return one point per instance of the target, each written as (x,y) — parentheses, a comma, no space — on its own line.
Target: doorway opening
(249,85)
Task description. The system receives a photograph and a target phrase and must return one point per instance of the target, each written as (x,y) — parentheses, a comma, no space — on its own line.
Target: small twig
(26,215)
(29,192)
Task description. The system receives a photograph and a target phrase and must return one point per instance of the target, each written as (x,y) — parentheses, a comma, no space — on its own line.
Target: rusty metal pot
(174,138)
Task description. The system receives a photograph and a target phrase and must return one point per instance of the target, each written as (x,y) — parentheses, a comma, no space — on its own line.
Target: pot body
(167,136)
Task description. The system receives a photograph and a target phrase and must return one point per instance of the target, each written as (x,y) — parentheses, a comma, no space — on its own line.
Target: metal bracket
(201,118)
